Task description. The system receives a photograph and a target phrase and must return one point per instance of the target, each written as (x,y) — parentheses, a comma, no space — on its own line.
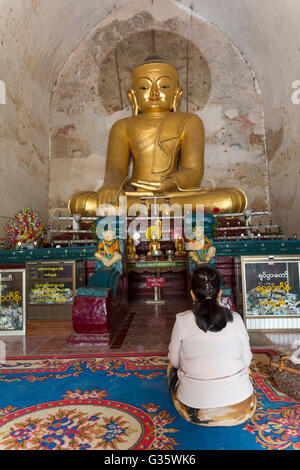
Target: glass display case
(268,291)
(51,287)
(12,302)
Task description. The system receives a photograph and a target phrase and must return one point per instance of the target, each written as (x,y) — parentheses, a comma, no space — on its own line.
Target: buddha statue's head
(154,88)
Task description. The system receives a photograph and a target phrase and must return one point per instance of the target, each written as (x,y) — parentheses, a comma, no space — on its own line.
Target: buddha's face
(155,87)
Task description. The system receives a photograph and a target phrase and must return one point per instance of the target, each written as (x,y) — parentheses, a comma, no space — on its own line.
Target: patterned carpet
(122,402)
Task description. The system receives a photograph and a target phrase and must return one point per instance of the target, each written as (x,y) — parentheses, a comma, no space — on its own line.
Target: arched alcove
(90,94)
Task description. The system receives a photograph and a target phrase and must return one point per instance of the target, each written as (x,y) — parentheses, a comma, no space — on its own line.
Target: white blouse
(212,366)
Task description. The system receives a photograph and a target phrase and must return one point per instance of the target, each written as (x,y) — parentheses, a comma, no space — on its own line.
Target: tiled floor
(147,329)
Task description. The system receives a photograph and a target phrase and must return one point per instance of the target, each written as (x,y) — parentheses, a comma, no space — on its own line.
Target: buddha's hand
(108,194)
(163,186)
(193,256)
(211,253)
(99,257)
(114,259)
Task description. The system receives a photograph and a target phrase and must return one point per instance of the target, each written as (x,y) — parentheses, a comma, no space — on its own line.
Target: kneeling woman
(209,357)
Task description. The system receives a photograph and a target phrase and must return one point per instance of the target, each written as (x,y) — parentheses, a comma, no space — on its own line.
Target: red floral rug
(122,402)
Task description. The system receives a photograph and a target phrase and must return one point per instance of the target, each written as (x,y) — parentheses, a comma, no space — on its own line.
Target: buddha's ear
(177,97)
(132,98)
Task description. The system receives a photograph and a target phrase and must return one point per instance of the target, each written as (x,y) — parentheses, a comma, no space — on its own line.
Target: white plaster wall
(268,34)
(36,37)
(24,123)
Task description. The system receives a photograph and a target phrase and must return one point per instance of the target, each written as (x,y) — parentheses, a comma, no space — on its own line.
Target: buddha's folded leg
(84,203)
(227,200)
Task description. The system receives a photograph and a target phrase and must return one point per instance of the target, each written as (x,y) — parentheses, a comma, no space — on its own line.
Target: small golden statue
(154,245)
(108,248)
(131,250)
(200,250)
(154,230)
(153,234)
(166,148)
(180,246)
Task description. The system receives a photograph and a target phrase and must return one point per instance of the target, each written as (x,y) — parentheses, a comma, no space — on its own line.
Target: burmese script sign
(50,283)
(271,287)
(155,282)
(12,302)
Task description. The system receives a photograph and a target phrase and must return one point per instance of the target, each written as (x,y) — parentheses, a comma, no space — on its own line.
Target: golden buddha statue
(166,147)
(180,246)
(153,234)
(154,245)
(131,250)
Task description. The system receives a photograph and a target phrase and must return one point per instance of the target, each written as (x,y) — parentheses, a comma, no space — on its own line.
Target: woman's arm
(174,346)
(245,342)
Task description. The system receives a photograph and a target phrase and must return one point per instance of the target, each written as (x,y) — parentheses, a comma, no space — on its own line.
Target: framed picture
(271,292)
(12,302)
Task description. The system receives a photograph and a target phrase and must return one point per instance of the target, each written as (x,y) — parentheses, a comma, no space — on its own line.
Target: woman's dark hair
(209,315)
